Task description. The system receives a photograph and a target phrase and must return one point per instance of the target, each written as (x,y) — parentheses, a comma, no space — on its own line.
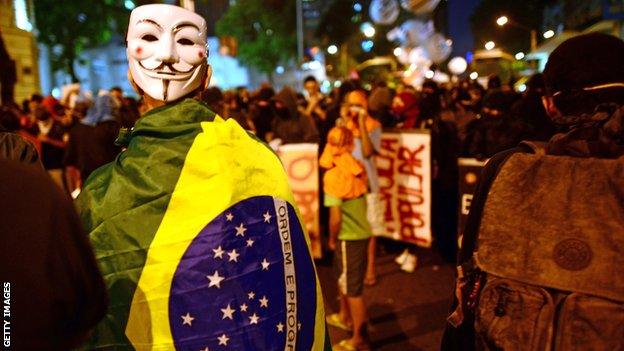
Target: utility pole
(188,4)
(300,31)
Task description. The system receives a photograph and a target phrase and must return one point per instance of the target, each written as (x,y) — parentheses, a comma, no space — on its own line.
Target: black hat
(585,61)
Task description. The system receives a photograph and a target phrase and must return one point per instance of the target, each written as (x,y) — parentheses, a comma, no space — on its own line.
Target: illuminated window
(21,15)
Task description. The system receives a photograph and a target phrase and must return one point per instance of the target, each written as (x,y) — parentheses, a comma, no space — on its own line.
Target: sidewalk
(407,311)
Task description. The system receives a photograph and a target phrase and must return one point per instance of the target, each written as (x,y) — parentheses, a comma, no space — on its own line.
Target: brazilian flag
(199,242)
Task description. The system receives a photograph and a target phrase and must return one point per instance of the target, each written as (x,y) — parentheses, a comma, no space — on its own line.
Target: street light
(519,56)
(474,75)
(489,45)
(503,20)
(397,52)
(549,34)
(368,29)
(332,49)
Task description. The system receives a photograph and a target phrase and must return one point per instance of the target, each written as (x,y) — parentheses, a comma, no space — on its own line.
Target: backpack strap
(538,148)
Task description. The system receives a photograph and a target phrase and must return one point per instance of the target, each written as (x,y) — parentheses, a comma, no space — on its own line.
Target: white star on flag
(228,312)
(205,349)
(218,252)
(251,295)
(229,217)
(233,256)
(267,217)
(253,319)
(240,230)
(223,340)
(280,327)
(187,319)
(250,243)
(264,302)
(265,264)
(215,279)
(243,307)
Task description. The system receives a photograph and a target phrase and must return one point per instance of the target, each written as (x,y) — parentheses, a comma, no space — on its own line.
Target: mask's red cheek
(138,50)
(201,54)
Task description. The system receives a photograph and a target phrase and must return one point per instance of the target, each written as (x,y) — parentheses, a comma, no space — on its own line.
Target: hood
(101,111)
(288,97)
(600,134)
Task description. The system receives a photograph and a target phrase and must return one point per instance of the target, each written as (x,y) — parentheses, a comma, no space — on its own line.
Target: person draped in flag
(193,225)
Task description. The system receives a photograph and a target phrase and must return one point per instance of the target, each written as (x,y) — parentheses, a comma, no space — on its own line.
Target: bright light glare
(429,74)
(279,69)
(474,75)
(357,7)
(519,56)
(129,4)
(367,45)
(332,49)
(489,45)
(315,65)
(549,34)
(502,20)
(368,29)
(397,51)
(522,88)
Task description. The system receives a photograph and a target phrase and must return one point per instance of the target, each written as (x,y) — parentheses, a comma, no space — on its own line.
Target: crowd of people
(75,135)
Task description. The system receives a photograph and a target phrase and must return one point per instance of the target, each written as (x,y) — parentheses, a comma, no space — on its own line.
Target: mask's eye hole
(149,37)
(185,41)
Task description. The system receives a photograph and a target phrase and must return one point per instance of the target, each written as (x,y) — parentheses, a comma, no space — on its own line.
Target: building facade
(16,30)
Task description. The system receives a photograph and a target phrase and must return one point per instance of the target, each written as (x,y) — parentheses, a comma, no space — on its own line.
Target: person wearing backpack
(542,258)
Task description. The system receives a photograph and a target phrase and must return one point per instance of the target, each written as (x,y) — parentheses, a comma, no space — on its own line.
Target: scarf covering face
(597,134)
(346,177)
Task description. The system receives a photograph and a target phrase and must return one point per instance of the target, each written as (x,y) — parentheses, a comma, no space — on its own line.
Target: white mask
(166,50)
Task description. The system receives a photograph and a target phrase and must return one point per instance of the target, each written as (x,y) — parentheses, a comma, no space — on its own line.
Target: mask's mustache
(162,65)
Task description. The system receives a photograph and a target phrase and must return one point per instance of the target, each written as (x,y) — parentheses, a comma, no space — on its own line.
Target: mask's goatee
(165,88)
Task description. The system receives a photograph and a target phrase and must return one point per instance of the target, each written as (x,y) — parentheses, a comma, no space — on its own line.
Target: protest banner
(301,164)
(404,170)
(469,172)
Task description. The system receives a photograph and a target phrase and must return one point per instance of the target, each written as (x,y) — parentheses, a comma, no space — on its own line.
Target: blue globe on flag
(236,286)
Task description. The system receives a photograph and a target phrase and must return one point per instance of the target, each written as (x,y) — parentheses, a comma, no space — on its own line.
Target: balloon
(413,33)
(457,65)
(438,48)
(384,11)
(420,6)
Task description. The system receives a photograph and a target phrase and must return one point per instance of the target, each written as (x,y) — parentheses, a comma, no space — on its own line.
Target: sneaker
(410,263)
(335,321)
(401,258)
(345,345)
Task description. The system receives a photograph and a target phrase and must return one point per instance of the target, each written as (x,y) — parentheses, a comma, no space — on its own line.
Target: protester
(53,290)
(289,126)
(345,187)
(53,138)
(539,223)
(261,112)
(379,104)
(91,142)
(530,111)
(367,141)
(494,131)
(194,224)
(12,145)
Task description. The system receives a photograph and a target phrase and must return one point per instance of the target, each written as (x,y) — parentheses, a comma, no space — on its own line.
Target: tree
(512,38)
(265,31)
(68,27)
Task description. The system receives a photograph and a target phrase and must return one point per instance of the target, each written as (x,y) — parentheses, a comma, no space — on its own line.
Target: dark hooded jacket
(290,125)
